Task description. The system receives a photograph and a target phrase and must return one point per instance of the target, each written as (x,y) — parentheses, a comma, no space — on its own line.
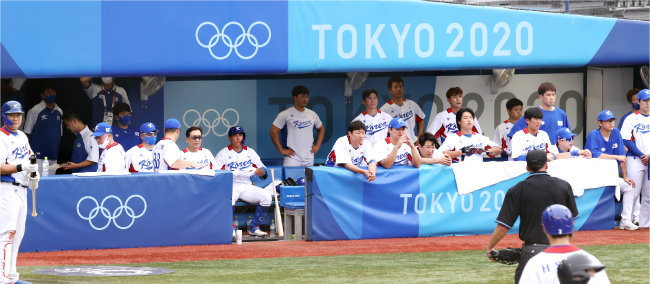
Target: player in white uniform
(542,268)
(515,110)
(300,122)
(467,142)
(244,162)
(375,120)
(444,124)
(166,155)
(564,148)
(351,152)
(636,136)
(140,157)
(427,147)
(112,158)
(397,149)
(531,137)
(408,110)
(16,169)
(194,152)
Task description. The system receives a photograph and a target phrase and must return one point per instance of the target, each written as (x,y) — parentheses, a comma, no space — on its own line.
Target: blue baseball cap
(605,115)
(564,133)
(643,95)
(147,127)
(102,128)
(397,122)
(172,123)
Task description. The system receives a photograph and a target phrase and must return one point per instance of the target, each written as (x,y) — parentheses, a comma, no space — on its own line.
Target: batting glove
(29,168)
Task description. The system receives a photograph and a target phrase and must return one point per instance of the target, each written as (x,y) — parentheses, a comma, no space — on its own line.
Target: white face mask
(103,145)
(107,80)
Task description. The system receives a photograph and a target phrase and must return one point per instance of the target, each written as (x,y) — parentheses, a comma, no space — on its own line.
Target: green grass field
(629,263)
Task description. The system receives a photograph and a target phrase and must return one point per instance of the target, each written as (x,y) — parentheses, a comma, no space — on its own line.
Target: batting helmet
(573,270)
(557,220)
(235,130)
(10,107)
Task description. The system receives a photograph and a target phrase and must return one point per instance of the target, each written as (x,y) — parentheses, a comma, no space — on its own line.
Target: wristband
(19,168)
(574,153)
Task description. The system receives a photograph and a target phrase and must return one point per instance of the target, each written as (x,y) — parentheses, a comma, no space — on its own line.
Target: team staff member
(124,133)
(557,222)
(244,162)
(194,152)
(527,200)
(515,111)
(300,122)
(375,120)
(468,137)
(103,98)
(397,149)
(140,157)
(554,118)
(427,144)
(85,152)
(408,110)
(531,137)
(445,122)
(16,169)
(43,127)
(564,148)
(112,158)
(166,155)
(633,101)
(351,153)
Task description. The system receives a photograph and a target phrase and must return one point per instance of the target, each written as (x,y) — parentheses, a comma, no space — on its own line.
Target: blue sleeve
(631,148)
(520,158)
(620,150)
(521,124)
(592,145)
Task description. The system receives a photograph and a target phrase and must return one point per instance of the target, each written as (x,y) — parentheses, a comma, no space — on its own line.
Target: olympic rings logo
(210,119)
(111,216)
(221,36)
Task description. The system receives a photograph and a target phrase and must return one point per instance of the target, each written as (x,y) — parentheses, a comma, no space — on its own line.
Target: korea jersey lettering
(381,150)
(112,159)
(523,141)
(458,140)
(445,124)
(542,268)
(344,153)
(551,122)
(241,163)
(165,153)
(501,138)
(637,128)
(597,145)
(409,111)
(44,125)
(300,129)
(376,125)
(14,150)
(202,157)
(139,159)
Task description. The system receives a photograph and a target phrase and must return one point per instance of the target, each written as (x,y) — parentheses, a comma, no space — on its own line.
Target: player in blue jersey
(85,151)
(633,102)
(43,127)
(554,118)
(123,132)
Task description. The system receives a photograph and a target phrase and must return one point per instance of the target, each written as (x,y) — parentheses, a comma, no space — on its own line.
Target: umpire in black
(527,200)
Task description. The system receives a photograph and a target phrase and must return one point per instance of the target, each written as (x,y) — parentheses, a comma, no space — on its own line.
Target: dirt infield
(303,248)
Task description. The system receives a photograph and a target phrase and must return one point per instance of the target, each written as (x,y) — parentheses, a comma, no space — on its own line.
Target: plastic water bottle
(272,229)
(235,224)
(46,167)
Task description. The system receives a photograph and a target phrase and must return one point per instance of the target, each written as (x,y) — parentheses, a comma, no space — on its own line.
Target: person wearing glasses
(564,148)
(112,158)
(140,157)
(194,152)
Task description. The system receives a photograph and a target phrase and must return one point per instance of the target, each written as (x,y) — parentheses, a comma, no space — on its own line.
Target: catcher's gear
(507,256)
(557,220)
(573,270)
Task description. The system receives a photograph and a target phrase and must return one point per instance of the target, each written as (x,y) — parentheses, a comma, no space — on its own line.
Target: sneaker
(627,225)
(255,231)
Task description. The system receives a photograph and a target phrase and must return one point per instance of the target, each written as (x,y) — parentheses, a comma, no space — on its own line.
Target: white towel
(471,177)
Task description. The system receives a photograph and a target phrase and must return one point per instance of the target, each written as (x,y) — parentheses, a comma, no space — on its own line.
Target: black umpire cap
(536,159)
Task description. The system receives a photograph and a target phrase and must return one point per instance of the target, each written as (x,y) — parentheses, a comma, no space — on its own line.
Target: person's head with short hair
(193,138)
(300,95)
(396,87)
(455,98)
(631,98)
(148,133)
(370,99)
(103,134)
(533,117)
(546,93)
(564,138)
(356,133)
(73,121)
(172,129)
(396,129)
(122,114)
(465,120)
(606,120)
(427,144)
(536,161)
(48,92)
(515,109)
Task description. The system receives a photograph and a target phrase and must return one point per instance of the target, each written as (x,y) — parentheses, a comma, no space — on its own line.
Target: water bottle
(46,167)
(235,224)
(250,220)
(272,229)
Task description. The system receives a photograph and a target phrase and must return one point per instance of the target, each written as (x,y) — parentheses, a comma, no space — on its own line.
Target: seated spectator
(531,137)
(194,152)
(397,149)
(427,144)
(140,157)
(124,133)
(514,107)
(564,148)
(85,152)
(351,153)
(166,155)
(467,143)
(112,158)
(103,98)
(375,120)
(43,127)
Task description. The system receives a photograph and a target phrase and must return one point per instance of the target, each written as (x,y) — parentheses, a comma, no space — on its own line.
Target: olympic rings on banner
(221,36)
(111,216)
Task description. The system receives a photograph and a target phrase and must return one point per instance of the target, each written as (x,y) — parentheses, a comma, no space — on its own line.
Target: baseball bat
(32,160)
(278,217)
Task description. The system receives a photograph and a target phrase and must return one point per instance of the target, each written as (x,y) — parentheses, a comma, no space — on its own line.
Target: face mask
(107,80)
(126,120)
(103,145)
(635,106)
(150,140)
(50,99)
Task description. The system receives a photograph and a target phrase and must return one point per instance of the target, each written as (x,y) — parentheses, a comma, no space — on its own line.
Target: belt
(534,244)
(16,184)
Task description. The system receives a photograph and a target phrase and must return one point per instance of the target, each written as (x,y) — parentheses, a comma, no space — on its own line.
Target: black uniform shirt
(529,198)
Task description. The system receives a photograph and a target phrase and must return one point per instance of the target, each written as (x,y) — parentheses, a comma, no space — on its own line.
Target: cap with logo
(605,115)
(102,128)
(564,133)
(397,123)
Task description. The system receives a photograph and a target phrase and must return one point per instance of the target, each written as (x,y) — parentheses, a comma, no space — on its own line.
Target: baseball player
(427,144)
(636,137)
(85,153)
(633,101)
(244,162)
(300,122)
(43,127)
(467,141)
(553,118)
(123,132)
(531,137)
(606,142)
(112,158)
(375,120)
(579,269)
(16,177)
(194,152)
(140,157)
(564,148)
(103,98)
(557,222)
(166,155)
(445,122)
(408,110)
(397,149)
(351,153)
(515,111)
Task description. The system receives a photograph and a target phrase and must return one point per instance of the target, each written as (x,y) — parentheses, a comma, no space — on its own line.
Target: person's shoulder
(559,111)
(120,90)
(37,108)
(596,133)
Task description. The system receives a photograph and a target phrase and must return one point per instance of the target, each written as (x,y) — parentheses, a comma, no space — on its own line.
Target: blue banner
(409,202)
(138,210)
